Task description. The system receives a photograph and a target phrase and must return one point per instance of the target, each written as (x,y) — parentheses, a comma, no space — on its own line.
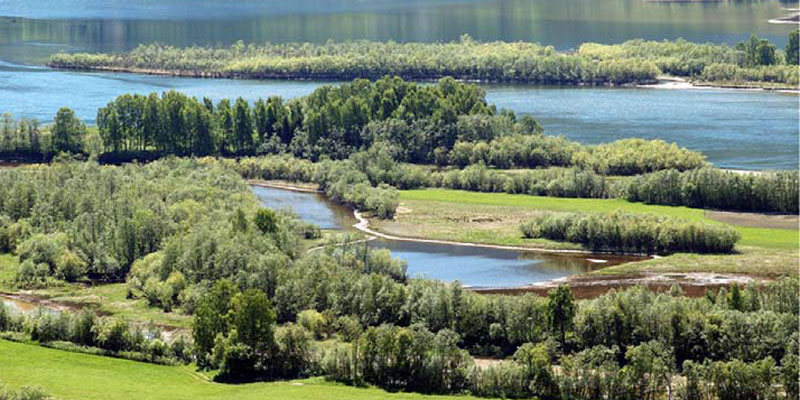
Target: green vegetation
(634,233)
(259,305)
(73,221)
(706,331)
(74,376)
(466,59)
(717,189)
(24,393)
(761,237)
(793,48)
(755,61)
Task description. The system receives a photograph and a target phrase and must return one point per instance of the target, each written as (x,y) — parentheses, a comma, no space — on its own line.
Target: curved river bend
(471,266)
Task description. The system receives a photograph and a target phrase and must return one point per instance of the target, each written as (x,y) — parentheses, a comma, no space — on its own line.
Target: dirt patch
(287,185)
(693,284)
(482,363)
(403,210)
(756,220)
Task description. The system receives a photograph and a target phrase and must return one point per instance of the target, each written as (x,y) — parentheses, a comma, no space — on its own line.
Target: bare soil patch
(756,220)
(693,284)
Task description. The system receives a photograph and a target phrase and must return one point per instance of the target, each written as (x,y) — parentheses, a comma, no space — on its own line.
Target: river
(32,29)
(735,129)
(725,125)
(471,266)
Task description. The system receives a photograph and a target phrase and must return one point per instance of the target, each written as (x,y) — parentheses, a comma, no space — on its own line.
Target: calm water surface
(735,129)
(30,30)
(472,266)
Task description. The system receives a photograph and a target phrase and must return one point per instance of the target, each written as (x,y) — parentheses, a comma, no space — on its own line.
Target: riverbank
(694,273)
(693,284)
(678,83)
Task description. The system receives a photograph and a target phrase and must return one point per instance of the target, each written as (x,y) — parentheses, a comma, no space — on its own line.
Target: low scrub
(628,232)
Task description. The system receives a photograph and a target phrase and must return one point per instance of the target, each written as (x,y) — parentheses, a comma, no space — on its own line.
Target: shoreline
(583,286)
(661,82)
(267,184)
(319,78)
(363,226)
(667,82)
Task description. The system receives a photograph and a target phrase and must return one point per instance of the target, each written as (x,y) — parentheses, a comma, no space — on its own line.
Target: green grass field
(494,218)
(758,237)
(76,376)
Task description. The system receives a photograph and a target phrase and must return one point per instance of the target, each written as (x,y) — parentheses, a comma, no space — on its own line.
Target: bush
(636,233)
(714,188)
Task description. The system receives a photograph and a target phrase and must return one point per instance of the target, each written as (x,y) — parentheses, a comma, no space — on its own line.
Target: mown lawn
(75,376)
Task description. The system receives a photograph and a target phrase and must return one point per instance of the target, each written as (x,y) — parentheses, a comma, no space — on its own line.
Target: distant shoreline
(678,83)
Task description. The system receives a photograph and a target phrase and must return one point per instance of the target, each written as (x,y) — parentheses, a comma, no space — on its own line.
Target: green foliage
(754,61)
(24,393)
(466,59)
(266,221)
(627,232)
(67,131)
(23,138)
(413,359)
(793,48)
(75,221)
(714,188)
(560,312)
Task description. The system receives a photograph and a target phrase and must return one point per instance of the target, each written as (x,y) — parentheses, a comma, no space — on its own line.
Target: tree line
(27,139)
(634,233)
(466,59)
(235,265)
(754,60)
(766,191)
(634,61)
(449,123)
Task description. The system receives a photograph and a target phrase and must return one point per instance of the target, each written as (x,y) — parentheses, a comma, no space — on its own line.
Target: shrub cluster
(84,331)
(765,191)
(182,221)
(754,61)
(629,232)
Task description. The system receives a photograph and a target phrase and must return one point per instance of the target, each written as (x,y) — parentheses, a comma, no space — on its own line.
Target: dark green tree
(793,48)
(68,131)
(560,311)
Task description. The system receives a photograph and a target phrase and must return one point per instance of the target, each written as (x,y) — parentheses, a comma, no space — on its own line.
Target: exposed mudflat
(757,220)
(694,284)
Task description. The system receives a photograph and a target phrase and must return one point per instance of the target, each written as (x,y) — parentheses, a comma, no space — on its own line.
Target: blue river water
(735,129)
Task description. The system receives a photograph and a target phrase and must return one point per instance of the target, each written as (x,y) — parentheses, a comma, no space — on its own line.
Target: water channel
(471,266)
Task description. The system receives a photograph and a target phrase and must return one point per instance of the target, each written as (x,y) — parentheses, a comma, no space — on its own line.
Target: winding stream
(478,267)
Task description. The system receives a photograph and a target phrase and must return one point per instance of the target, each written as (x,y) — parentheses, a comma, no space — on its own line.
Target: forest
(189,236)
(636,61)
(449,123)
(699,188)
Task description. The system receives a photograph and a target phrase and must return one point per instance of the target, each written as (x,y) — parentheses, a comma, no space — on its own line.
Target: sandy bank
(363,226)
(678,83)
(693,284)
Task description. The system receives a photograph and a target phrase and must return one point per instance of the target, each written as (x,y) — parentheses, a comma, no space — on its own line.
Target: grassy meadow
(494,218)
(76,376)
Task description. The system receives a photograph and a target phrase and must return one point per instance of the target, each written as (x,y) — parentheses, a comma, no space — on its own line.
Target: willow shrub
(628,232)
(767,191)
